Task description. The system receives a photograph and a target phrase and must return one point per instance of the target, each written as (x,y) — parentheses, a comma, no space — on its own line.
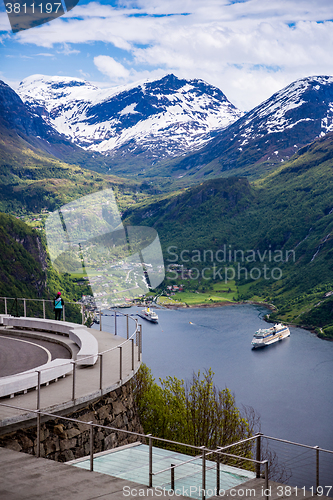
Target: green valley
(224,240)
(283,221)
(32,181)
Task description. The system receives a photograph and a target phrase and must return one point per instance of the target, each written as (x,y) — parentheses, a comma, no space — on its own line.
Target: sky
(247,48)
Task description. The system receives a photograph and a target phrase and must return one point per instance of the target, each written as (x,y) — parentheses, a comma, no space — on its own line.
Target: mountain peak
(162,118)
(271,132)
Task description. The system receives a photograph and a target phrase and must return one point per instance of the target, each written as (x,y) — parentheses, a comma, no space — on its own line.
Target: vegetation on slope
(283,222)
(25,272)
(197,413)
(33,183)
(32,180)
(23,261)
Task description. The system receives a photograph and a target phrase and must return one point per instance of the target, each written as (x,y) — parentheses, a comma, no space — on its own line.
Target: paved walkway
(58,395)
(25,477)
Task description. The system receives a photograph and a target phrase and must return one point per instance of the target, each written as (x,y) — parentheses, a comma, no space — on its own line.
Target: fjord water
(288,383)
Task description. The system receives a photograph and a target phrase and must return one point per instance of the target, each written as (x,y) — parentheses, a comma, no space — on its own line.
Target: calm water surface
(288,383)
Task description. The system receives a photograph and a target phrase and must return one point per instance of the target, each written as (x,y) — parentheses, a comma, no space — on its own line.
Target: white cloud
(84,75)
(249,49)
(113,69)
(67,50)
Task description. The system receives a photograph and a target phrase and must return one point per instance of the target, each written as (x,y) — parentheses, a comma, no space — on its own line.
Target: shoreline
(271,307)
(218,304)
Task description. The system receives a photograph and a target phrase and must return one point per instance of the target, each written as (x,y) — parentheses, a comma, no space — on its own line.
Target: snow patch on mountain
(277,113)
(169,116)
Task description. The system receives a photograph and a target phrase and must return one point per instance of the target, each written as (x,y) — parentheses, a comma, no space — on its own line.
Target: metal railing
(209,459)
(43,308)
(301,466)
(114,365)
(8,305)
(204,453)
(123,358)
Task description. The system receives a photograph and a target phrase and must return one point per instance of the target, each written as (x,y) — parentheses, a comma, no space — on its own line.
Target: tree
(198,413)
(195,413)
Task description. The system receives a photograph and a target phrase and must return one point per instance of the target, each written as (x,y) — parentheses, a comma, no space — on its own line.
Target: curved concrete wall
(87,355)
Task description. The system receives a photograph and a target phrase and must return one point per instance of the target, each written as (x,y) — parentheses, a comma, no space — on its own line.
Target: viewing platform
(99,362)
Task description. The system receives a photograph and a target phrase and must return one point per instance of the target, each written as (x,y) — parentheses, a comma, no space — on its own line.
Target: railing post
(38,436)
(91,446)
(25,307)
(150,461)
(317,468)
(127,329)
(82,313)
(38,389)
(44,313)
(101,372)
(266,480)
(172,477)
(133,355)
(63,313)
(100,320)
(203,492)
(6,312)
(218,475)
(121,363)
(140,342)
(115,322)
(74,375)
(258,454)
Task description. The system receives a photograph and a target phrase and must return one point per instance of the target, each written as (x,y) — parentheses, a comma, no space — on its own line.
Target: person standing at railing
(58,306)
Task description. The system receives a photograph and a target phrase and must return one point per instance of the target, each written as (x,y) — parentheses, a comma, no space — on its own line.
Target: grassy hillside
(23,261)
(32,181)
(24,265)
(283,222)
(25,271)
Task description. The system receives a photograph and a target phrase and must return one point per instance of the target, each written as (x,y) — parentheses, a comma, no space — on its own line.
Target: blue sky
(249,48)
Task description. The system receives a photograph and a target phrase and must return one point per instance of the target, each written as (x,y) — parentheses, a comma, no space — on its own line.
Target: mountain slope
(17,117)
(149,120)
(23,260)
(283,222)
(267,135)
(32,180)
(25,272)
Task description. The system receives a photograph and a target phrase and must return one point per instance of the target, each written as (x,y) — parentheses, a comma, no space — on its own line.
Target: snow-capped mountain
(165,117)
(20,119)
(273,131)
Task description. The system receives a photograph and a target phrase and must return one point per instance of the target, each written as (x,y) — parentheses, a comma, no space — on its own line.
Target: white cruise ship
(148,314)
(269,336)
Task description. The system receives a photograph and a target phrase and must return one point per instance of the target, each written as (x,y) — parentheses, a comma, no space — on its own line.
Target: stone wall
(62,440)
